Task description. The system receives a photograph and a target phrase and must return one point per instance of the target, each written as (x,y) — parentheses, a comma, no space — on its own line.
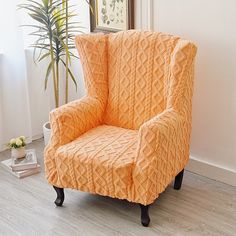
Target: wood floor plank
(201,207)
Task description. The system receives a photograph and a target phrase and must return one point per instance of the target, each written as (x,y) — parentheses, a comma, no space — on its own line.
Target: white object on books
(20,174)
(18,152)
(26,163)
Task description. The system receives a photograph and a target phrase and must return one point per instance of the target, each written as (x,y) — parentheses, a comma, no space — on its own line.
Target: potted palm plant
(54,31)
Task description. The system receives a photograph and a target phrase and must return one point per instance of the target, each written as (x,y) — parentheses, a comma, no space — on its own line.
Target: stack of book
(23,167)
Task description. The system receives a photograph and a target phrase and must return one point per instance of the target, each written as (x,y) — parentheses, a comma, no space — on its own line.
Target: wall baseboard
(37,136)
(211,171)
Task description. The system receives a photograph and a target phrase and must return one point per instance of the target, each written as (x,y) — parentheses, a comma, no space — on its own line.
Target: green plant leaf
(45,3)
(44,56)
(38,18)
(71,75)
(66,48)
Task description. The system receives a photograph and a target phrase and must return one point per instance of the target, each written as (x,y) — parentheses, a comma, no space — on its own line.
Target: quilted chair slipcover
(129,136)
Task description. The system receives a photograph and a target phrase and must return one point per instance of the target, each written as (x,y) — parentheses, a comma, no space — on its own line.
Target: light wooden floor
(201,207)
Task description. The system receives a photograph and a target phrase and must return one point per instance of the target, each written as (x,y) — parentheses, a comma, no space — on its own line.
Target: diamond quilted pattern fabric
(129,136)
(99,161)
(137,74)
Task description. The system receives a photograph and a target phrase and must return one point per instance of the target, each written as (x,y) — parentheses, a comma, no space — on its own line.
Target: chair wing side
(163,148)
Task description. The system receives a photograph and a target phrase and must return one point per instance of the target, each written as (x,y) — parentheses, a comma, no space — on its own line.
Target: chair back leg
(178,180)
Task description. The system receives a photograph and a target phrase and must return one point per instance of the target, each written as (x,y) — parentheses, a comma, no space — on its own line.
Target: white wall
(211,25)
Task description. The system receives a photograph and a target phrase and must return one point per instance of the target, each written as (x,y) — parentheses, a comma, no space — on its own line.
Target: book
(20,174)
(25,163)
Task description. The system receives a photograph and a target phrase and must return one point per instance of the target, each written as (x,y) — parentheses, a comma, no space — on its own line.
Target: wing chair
(129,136)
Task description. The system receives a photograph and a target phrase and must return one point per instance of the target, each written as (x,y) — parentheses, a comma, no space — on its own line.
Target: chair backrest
(138,73)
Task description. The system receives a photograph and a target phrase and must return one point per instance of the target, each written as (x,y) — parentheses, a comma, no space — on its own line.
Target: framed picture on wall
(111,15)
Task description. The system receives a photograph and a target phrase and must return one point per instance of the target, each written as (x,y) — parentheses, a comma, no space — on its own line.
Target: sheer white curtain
(14,100)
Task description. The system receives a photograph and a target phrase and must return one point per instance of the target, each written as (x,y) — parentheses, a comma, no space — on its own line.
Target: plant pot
(46,133)
(18,152)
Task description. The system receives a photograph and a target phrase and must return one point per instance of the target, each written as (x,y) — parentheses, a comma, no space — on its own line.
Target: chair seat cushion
(99,161)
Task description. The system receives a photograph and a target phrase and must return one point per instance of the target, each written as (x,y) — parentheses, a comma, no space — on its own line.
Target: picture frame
(111,15)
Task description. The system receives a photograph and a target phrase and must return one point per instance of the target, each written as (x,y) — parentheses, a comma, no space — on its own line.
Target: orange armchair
(129,136)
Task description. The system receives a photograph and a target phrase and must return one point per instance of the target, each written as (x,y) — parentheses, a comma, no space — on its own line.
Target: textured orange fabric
(138,72)
(103,161)
(129,136)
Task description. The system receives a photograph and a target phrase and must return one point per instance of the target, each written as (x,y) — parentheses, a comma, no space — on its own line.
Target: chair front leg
(145,219)
(60,196)
(178,180)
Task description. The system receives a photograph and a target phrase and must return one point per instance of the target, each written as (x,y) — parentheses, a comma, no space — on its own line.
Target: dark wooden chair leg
(145,219)
(178,180)
(60,196)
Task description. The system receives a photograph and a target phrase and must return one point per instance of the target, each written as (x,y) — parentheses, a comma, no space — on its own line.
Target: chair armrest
(73,119)
(163,151)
